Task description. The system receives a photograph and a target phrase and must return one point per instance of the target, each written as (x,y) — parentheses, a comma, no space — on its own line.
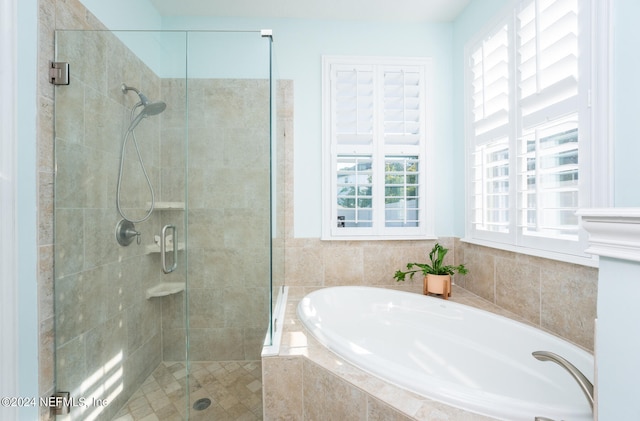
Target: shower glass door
(163,234)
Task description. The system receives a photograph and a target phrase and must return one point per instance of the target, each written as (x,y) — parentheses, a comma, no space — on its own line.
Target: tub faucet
(585,384)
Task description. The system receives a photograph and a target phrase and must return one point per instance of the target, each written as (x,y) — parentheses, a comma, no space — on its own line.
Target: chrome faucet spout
(583,381)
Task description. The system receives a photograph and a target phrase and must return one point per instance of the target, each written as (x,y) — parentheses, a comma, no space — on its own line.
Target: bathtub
(449,352)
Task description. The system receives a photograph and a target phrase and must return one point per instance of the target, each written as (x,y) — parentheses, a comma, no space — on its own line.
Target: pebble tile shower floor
(234,387)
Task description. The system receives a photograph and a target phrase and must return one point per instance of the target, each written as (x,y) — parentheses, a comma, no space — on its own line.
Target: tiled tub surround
(555,296)
(306,381)
(552,295)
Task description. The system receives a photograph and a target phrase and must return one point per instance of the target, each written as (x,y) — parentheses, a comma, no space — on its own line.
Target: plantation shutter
(402,106)
(378,148)
(490,202)
(548,161)
(353,133)
(403,127)
(490,69)
(548,59)
(353,107)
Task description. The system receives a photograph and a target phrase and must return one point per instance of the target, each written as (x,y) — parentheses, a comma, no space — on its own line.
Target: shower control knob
(126,232)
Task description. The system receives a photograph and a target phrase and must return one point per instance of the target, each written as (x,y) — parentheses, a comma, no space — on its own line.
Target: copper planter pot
(437,284)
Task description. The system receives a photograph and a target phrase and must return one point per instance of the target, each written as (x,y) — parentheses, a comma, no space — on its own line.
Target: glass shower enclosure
(166,216)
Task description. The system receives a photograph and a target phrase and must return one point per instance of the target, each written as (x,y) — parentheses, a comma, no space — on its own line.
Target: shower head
(152,108)
(149,108)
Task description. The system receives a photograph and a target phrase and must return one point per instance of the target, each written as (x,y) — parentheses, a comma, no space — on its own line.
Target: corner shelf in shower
(155,248)
(165,288)
(168,206)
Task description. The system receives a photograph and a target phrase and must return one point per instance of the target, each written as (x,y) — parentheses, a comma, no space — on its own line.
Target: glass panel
(119,153)
(549,188)
(354,191)
(402,191)
(125,149)
(230,170)
(491,187)
(281,103)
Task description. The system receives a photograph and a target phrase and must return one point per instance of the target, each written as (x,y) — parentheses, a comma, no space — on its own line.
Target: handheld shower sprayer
(148,109)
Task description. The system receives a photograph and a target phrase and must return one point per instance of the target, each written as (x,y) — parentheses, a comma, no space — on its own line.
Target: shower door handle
(163,248)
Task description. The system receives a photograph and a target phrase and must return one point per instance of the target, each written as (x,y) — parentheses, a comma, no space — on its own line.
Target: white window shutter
(548,59)
(490,69)
(528,126)
(548,66)
(491,99)
(377,149)
(402,106)
(353,118)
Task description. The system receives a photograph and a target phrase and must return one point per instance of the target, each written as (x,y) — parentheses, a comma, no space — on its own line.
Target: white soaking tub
(459,355)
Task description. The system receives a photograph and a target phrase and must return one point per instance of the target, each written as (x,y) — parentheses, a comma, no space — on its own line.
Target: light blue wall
(27,247)
(626,93)
(299,46)
(125,14)
(618,342)
(139,15)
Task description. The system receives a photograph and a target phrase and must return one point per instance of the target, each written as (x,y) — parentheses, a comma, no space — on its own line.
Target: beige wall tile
(327,397)
(568,296)
(557,296)
(518,288)
(343,266)
(282,388)
(481,277)
(378,411)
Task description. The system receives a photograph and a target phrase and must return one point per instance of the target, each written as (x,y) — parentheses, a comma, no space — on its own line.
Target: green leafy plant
(435,267)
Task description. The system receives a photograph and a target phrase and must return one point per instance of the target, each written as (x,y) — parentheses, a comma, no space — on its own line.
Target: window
(529,128)
(376,148)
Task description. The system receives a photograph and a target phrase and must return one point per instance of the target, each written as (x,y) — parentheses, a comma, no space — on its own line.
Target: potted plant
(437,275)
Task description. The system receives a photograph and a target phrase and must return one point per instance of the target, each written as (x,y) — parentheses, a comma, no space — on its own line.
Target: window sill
(585,260)
(378,238)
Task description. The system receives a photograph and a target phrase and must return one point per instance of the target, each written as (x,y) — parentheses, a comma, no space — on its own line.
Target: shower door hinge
(59,403)
(59,73)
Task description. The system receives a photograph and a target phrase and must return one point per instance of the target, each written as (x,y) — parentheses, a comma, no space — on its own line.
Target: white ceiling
(363,10)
